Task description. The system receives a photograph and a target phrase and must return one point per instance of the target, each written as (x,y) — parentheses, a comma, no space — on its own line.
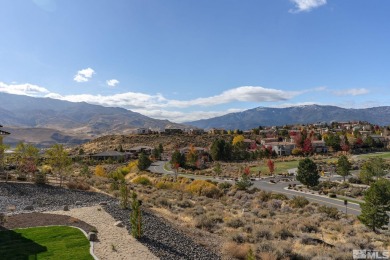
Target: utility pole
(346,206)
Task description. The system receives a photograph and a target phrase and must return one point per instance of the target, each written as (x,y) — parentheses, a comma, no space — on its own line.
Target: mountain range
(265,116)
(46,120)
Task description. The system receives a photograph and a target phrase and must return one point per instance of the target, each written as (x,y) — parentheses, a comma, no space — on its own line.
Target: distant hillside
(294,115)
(69,120)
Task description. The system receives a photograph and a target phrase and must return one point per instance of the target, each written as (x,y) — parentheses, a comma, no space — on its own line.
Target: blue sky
(185,60)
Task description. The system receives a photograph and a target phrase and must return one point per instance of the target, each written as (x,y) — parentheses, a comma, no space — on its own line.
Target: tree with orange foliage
(271,166)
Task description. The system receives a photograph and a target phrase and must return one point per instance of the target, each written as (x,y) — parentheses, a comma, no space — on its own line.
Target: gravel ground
(19,197)
(162,239)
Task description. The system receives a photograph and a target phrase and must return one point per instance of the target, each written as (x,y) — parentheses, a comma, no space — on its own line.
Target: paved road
(279,187)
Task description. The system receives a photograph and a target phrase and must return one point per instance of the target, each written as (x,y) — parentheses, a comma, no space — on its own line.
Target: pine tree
(136,217)
(124,192)
(143,162)
(308,172)
(376,203)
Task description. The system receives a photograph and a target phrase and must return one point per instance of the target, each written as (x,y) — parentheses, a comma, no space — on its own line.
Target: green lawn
(57,242)
(385,155)
(280,167)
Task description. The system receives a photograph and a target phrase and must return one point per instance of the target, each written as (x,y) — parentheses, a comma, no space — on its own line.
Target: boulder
(119,224)
(92,236)
(78,203)
(103,203)
(66,208)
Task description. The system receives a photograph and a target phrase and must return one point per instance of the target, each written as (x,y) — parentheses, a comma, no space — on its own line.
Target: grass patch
(385,155)
(57,242)
(280,167)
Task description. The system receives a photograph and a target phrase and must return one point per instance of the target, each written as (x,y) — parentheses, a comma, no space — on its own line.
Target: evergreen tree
(178,159)
(308,172)
(221,150)
(124,192)
(160,148)
(244,182)
(374,167)
(143,162)
(376,203)
(136,217)
(343,166)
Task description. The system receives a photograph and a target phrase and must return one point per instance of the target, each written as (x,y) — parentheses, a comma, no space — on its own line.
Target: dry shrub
(267,256)
(308,226)
(263,233)
(77,185)
(238,238)
(274,204)
(298,202)
(264,196)
(235,223)
(237,251)
(203,188)
(265,247)
(164,202)
(282,232)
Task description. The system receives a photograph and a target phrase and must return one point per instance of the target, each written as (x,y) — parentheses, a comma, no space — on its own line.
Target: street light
(346,206)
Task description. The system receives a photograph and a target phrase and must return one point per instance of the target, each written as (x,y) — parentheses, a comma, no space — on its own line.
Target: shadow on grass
(14,246)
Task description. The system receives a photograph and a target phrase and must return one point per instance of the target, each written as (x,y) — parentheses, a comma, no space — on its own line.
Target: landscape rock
(18,197)
(119,224)
(92,236)
(66,208)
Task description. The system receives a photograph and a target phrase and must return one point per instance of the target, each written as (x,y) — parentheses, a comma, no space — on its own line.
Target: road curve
(280,187)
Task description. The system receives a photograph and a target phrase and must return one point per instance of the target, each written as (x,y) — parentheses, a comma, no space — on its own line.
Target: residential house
(282,148)
(319,146)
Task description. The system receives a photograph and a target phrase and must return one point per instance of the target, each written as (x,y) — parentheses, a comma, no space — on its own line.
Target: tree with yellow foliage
(238,139)
(100,171)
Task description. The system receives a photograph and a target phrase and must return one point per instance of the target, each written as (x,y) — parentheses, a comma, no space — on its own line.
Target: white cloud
(306,5)
(84,75)
(134,100)
(112,82)
(23,89)
(351,92)
(243,94)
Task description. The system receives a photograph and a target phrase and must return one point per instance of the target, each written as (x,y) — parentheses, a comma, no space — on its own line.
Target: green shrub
(164,185)
(224,185)
(142,180)
(40,178)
